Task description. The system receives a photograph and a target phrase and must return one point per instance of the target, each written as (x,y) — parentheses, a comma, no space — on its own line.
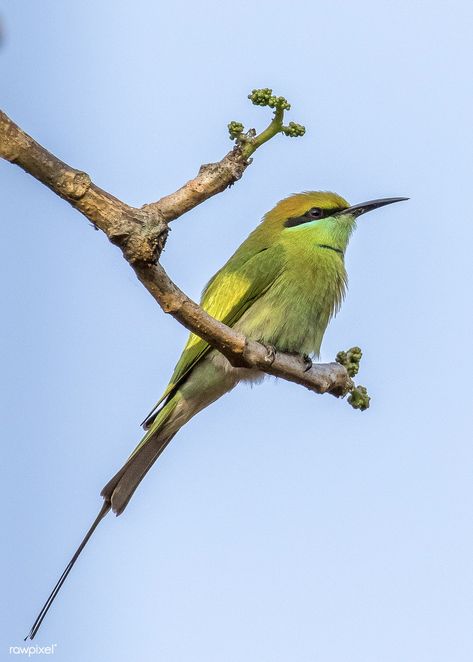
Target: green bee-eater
(280,287)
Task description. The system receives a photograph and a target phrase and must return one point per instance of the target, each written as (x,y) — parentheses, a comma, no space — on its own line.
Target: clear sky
(279,525)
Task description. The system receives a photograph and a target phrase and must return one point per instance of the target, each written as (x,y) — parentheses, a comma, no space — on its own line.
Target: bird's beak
(363,207)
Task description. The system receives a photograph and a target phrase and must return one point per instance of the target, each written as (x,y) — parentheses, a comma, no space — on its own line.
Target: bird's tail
(119,490)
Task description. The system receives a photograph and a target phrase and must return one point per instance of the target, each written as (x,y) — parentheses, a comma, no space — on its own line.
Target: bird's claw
(308,362)
(306,358)
(270,354)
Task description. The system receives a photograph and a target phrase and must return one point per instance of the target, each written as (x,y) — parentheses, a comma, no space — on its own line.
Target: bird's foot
(305,357)
(270,355)
(308,362)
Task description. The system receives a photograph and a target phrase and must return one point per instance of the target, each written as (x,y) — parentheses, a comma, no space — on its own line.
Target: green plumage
(281,287)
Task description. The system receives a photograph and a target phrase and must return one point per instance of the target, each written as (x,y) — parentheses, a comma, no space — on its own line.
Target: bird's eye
(315,212)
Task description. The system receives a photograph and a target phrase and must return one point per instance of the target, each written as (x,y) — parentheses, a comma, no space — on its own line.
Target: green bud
(350,360)
(235,129)
(260,97)
(359,398)
(293,130)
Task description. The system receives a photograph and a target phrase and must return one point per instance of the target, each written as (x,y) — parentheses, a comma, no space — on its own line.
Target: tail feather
(47,605)
(119,490)
(117,493)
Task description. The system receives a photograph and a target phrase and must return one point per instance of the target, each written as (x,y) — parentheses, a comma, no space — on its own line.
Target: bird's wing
(226,297)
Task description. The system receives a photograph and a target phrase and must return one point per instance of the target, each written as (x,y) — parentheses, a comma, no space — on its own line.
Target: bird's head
(320,217)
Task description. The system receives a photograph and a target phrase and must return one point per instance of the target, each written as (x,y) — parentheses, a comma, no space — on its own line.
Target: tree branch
(141,235)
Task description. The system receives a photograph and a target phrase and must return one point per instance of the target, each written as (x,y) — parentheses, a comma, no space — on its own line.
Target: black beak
(363,207)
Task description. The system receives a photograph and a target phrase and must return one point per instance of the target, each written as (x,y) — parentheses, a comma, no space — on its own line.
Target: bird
(281,287)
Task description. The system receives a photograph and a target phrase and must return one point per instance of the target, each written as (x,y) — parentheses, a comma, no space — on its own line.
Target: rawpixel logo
(32,650)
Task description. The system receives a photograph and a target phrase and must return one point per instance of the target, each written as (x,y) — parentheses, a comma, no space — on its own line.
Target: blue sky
(278,525)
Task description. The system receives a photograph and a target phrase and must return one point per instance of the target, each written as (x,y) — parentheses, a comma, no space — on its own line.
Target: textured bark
(211,179)
(141,234)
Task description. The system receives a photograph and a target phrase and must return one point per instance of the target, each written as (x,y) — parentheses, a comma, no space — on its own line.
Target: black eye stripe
(308,218)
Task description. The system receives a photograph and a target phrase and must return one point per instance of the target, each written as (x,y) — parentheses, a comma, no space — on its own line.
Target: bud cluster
(235,129)
(350,360)
(293,130)
(359,398)
(265,97)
